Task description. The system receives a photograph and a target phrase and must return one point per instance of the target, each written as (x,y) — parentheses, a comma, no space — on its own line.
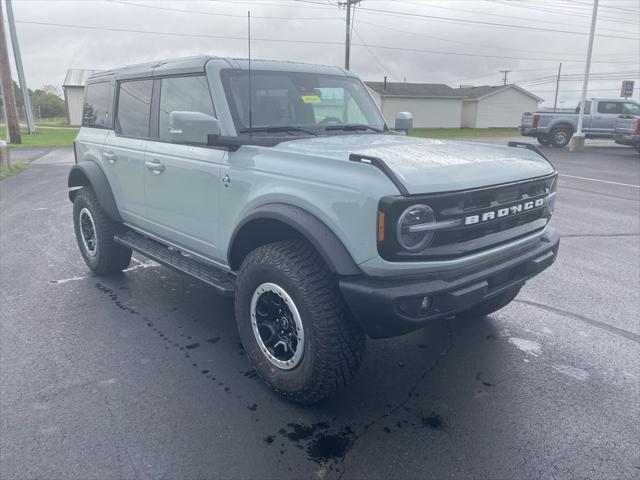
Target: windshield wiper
(276,129)
(352,127)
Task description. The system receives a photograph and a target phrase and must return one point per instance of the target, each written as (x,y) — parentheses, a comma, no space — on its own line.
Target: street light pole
(18,58)
(577,141)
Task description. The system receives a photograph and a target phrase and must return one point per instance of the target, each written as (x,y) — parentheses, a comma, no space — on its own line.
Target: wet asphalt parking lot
(142,375)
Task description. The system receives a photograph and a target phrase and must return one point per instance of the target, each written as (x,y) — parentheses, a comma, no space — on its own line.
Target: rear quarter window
(98,102)
(134,108)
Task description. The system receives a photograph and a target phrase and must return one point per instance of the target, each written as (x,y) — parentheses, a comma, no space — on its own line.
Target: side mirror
(404,122)
(192,127)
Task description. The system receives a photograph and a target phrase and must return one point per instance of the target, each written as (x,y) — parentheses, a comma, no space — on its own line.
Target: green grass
(55,121)
(464,132)
(44,137)
(14,169)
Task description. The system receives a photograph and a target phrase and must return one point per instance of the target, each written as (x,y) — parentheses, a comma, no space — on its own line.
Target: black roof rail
(381,165)
(528,146)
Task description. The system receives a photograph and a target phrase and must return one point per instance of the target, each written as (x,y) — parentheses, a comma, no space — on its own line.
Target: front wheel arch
(279,221)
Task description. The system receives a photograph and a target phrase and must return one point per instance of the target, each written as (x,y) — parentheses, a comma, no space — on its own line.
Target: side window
(630,109)
(134,108)
(183,94)
(608,107)
(96,111)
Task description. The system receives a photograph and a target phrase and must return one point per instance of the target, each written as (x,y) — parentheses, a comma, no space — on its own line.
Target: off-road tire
(109,256)
(492,305)
(543,140)
(333,342)
(560,136)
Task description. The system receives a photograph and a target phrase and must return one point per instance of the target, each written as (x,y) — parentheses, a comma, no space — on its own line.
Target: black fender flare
(89,173)
(328,245)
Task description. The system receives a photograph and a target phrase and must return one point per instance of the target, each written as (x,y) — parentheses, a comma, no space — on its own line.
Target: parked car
(556,129)
(627,131)
(282,187)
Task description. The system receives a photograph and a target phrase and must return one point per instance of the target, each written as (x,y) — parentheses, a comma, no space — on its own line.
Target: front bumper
(384,306)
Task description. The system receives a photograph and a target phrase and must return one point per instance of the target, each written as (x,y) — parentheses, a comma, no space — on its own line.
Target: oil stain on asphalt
(320,442)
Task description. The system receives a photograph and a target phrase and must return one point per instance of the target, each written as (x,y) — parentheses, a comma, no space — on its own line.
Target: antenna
(249,41)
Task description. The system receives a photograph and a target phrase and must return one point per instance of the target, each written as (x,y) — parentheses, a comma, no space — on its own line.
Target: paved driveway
(141,375)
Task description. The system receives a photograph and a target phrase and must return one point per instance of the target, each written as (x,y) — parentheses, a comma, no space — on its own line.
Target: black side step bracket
(528,146)
(219,279)
(381,165)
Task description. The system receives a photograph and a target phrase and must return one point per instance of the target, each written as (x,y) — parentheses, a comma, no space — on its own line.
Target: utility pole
(555,101)
(8,97)
(18,58)
(577,141)
(505,76)
(347,45)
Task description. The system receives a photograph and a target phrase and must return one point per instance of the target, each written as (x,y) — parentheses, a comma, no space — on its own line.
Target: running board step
(219,279)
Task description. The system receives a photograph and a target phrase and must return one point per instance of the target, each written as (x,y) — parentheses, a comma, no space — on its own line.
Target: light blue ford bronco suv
(282,186)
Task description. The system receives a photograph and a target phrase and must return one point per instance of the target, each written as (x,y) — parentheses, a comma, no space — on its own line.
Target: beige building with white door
(496,106)
(436,105)
(433,105)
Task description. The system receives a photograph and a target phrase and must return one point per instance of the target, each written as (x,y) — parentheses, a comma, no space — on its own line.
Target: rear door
(124,148)
(183,180)
(603,120)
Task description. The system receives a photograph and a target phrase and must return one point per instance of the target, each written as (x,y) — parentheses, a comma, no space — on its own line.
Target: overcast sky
(469,42)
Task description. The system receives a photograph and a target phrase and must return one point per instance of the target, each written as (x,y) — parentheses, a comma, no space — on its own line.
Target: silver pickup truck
(556,128)
(627,131)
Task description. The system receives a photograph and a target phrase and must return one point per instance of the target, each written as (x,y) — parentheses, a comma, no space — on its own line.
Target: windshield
(294,103)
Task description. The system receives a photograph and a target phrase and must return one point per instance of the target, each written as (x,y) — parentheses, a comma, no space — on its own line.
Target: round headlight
(413,228)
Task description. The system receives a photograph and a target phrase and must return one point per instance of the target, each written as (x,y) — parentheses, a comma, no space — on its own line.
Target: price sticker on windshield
(310,98)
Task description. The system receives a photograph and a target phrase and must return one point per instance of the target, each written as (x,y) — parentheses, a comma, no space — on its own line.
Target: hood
(430,166)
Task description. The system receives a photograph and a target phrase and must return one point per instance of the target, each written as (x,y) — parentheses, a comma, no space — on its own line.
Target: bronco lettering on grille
(503,212)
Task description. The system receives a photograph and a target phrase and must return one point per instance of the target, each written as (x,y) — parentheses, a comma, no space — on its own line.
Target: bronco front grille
(485,228)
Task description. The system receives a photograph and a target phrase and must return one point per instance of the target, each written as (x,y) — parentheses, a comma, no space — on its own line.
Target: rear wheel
(492,305)
(560,136)
(293,323)
(543,140)
(94,233)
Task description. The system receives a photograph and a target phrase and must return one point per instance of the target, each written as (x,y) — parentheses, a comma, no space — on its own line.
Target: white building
(433,105)
(496,106)
(440,106)
(73,87)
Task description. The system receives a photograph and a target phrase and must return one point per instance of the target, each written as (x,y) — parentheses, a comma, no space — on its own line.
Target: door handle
(110,157)
(154,166)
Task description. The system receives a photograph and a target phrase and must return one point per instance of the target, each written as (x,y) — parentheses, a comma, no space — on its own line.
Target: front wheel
(94,233)
(492,305)
(293,323)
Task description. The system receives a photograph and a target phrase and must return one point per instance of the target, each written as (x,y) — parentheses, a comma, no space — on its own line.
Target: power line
(554,8)
(383,67)
(310,42)
(215,14)
(491,24)
(547,22)
(431,37)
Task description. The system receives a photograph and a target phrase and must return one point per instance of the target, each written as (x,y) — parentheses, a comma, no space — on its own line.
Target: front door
(182,181)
